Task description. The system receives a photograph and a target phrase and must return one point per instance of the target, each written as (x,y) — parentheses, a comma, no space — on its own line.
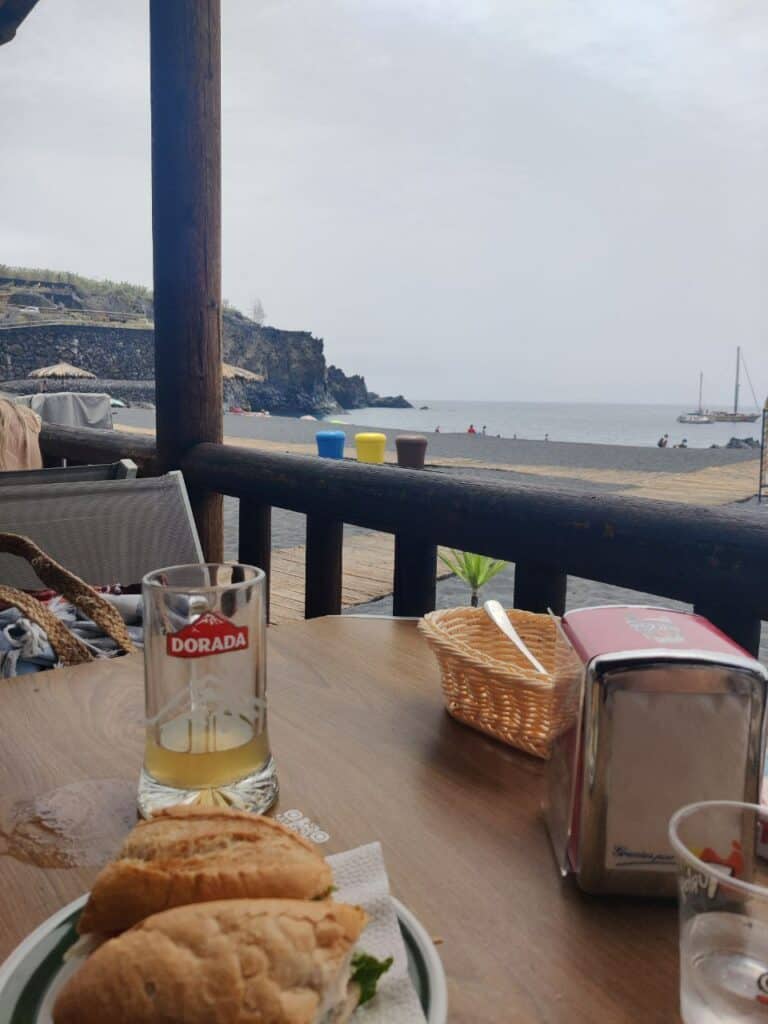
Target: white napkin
(361,878)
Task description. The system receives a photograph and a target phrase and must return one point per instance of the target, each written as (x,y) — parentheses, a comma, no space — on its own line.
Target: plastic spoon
(496,613)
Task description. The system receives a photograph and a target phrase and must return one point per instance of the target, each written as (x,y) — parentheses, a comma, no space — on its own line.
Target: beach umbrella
(230,372)
(314,418)
(61,370)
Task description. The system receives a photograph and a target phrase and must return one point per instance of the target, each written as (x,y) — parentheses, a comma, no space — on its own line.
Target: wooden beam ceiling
(12,13)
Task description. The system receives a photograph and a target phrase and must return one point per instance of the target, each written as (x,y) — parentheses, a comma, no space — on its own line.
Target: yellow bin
(370,447)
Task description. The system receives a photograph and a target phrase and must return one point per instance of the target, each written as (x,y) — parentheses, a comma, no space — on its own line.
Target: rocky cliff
(291,362)
(349,392)
(107,329)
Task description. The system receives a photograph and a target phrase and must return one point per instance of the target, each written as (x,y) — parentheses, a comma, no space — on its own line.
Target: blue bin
(330,443)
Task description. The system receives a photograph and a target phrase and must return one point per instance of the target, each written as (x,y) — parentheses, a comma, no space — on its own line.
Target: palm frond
(474,570)
(492,568)
(451,564)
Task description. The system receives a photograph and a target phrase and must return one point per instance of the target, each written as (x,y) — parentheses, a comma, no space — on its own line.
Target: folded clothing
(24,646)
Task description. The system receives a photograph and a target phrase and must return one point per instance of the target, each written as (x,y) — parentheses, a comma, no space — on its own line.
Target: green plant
(475,570)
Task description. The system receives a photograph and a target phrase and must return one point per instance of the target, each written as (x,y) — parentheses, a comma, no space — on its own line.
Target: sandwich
(188,855)
(236,961)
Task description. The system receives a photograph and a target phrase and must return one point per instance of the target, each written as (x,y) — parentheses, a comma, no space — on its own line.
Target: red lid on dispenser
(610,629)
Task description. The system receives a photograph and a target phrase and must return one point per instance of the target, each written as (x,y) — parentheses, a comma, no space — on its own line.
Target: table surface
(366,750)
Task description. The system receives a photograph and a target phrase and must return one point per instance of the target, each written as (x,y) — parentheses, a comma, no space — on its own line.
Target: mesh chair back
(111,531)
(69,474)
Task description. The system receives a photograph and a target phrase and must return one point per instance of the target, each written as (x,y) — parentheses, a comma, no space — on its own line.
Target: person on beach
(484,429)
(437,429)
(471,429)
(546,437)
(663,441)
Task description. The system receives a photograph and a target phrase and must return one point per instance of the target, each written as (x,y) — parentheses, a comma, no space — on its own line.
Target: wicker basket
(489,685)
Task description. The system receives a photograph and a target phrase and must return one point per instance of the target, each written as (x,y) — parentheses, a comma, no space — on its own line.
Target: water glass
(721,849)
(205,688)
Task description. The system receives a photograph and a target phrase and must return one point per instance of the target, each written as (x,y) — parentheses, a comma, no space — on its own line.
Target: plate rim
(27,944)
(438,1007)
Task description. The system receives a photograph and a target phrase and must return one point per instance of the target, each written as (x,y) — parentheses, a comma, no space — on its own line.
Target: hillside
(47,316)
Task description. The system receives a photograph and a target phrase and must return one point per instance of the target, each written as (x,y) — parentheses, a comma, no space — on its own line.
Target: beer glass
(205,680)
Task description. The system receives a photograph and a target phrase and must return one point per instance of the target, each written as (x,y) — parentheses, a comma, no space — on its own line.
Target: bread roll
(227,962)
(191,855)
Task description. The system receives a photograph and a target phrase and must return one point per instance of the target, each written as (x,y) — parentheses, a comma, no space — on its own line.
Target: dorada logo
(209,634)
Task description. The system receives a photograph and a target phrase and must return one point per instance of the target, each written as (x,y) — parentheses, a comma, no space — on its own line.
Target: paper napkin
(361,878)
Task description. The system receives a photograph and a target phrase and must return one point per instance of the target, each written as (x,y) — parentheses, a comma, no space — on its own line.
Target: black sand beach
(503,451)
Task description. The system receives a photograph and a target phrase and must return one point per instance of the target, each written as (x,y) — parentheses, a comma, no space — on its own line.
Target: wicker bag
(69,648)
(489,685)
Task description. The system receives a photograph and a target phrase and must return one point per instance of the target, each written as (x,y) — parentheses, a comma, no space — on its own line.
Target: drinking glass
(721,849)
(205,680)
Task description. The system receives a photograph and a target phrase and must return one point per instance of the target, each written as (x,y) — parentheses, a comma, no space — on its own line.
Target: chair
(125,469)
(106,530)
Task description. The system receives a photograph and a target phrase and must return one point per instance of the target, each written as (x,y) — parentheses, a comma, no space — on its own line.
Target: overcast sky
(465,198)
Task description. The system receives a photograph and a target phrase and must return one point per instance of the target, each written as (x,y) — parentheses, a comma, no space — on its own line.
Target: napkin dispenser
(671,711)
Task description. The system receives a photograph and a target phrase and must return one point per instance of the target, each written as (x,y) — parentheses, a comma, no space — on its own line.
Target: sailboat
(702,415)
(699,416)
(735,416)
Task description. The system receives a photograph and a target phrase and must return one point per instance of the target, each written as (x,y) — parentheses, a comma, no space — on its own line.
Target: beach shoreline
(476,449)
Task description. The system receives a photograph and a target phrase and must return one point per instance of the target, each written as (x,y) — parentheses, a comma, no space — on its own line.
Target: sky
(480,199)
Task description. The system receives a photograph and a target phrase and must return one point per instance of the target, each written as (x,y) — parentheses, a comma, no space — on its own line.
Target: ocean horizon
(581,422)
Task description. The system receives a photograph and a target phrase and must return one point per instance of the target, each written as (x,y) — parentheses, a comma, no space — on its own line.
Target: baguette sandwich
(228,962)
(189,855)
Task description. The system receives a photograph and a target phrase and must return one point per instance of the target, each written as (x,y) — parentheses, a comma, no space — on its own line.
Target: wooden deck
(369,561)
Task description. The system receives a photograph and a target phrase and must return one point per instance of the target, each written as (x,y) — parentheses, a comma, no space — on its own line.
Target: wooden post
(323,566)
(186,233)
(415,575)
(255,538)
(539,587)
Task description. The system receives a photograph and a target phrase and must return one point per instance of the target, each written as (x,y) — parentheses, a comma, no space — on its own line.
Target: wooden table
(365,749)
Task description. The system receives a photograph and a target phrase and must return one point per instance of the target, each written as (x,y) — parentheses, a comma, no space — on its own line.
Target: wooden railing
(715,559)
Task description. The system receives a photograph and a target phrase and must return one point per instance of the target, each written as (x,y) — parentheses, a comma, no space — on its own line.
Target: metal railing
(715,559)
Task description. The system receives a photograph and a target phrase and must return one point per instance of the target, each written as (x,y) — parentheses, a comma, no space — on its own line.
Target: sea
(591,423)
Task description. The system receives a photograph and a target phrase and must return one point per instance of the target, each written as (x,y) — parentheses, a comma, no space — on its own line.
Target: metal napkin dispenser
(671,712)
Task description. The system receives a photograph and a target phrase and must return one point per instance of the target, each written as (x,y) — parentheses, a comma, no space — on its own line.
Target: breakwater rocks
(741,442)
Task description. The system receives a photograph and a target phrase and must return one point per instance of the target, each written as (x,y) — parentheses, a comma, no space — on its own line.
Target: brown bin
(411,449)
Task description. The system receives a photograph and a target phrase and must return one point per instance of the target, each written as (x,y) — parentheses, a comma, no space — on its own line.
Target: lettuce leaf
(366,971)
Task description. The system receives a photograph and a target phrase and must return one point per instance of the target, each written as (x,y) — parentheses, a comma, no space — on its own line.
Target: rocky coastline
(43,322)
